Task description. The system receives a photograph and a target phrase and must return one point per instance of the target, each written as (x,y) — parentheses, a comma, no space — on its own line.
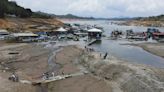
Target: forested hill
(152,18)
(11,8)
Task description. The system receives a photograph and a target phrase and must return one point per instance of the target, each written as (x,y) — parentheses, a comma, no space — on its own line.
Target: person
(45,76)
(53,74)
(105,56)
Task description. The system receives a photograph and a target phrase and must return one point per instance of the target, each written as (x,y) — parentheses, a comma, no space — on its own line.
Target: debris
(13,53)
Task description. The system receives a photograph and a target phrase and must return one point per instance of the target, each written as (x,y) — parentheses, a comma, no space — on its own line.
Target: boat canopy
(61,30)
(95,30)
(24,35)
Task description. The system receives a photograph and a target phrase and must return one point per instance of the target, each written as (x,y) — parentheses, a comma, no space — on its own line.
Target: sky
(97,8)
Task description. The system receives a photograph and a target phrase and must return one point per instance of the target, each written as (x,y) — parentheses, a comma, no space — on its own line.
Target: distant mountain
(152,18)
(121,19)
(71,16)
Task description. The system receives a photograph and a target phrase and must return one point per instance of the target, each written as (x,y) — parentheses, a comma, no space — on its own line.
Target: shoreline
(143,23)
(124,76)
(153,48)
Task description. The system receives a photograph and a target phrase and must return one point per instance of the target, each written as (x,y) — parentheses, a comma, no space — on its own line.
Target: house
(3,34)
(94,34)
(158,36)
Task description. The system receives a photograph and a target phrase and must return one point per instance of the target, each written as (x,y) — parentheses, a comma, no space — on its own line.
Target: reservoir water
(126,52)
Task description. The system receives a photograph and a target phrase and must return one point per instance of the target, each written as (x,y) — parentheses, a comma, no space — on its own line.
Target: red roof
(162,33)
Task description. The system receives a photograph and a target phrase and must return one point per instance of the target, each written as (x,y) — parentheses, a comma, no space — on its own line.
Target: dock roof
(94,30)
(61,30)
(24,34)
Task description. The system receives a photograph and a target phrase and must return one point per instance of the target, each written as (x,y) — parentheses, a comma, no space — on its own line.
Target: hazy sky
(97,8)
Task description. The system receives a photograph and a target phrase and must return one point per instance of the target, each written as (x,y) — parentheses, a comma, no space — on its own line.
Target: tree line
(152,18)
(12,8)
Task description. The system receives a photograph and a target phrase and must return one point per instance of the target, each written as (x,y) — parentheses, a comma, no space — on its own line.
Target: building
(150,32)
(23,37)
(158,36)
(61,30)
(95,34)
(3,34)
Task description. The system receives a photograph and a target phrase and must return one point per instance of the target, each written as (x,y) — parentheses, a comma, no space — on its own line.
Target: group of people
(14,77)
(91,50)
(47,75)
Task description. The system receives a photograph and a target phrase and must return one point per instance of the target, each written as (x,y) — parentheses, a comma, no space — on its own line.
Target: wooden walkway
(56,78)
(92,42)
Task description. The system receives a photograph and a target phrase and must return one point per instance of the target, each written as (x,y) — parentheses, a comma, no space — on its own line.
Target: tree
(3,7)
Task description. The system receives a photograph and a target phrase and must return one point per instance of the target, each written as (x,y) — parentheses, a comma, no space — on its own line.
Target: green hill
(11,8)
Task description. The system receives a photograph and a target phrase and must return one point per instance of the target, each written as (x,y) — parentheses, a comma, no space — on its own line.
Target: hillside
(29,24)
(152,18)
(152,21)
(12,8)
(71,16)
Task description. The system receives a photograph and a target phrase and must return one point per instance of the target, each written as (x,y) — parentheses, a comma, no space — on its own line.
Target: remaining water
(125,52)
(129,53)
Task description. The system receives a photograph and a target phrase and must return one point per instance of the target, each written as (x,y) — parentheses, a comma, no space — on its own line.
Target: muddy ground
(68,58)
(154,48)
(124,76)
(30,61)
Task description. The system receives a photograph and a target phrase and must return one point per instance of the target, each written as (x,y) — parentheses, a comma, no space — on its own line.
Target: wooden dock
(92,42)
